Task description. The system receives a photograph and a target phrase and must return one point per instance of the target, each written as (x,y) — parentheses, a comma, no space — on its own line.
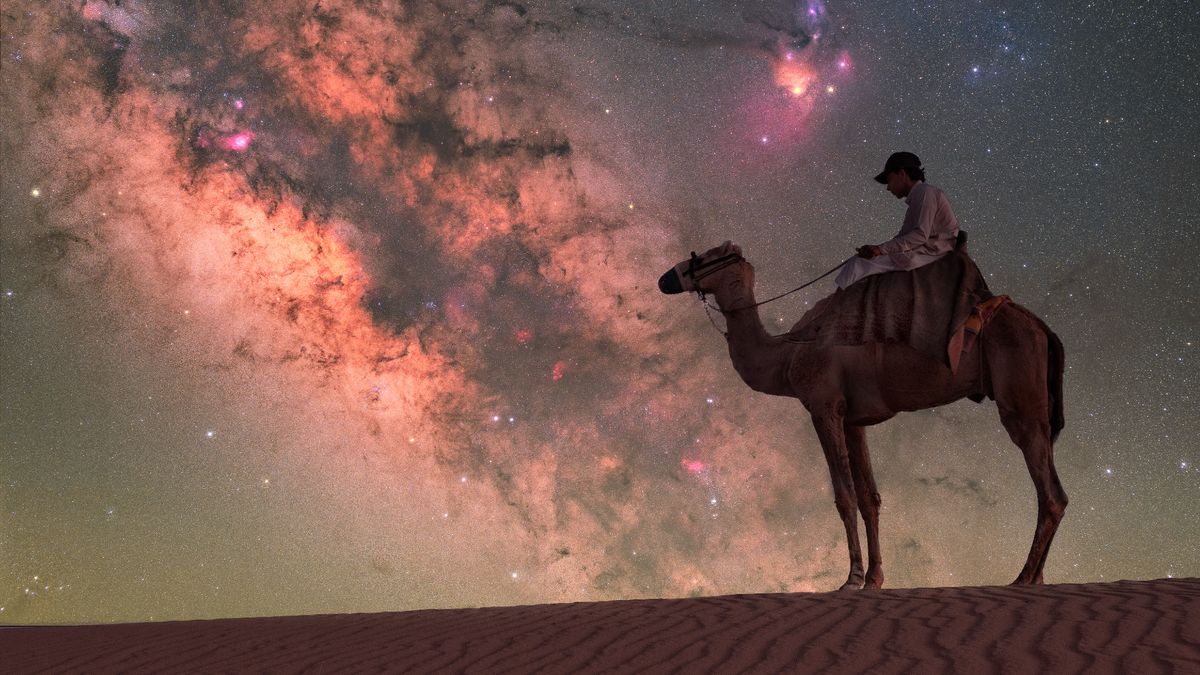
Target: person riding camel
(936,302)
(929,232)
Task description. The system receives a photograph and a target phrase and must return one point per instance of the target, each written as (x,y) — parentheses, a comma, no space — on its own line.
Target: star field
(346,308)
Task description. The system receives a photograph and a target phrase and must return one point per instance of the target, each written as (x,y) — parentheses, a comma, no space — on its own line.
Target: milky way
(350,306)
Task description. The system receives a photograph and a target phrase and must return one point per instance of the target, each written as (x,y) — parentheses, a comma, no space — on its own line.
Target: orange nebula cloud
(794,76)
(390,257)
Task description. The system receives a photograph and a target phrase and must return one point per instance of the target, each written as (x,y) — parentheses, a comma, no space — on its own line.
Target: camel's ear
(737,249)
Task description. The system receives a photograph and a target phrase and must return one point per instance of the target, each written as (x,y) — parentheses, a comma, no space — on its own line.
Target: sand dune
(1120,627)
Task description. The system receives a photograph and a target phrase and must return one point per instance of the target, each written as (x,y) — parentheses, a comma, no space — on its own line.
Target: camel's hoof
(874,580)
(1020,581)
(851,586)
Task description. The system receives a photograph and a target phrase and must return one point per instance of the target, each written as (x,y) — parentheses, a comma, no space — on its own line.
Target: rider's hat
(897,161)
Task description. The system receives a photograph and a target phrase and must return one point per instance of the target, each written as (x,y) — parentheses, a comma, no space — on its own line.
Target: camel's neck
(761,359)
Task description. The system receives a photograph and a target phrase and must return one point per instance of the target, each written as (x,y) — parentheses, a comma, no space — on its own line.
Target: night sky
(350,306)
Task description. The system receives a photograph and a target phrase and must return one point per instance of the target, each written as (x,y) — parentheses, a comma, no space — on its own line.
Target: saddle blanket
(938,309)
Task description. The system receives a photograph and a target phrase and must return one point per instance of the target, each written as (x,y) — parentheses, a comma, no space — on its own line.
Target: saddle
(937,309)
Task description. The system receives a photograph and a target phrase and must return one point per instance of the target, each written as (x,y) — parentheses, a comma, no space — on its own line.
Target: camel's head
(702,273)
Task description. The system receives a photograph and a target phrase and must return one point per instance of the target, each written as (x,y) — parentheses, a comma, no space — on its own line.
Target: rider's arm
(919,223)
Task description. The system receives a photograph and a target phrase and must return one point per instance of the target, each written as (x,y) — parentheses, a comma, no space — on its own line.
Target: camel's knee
(870,501)
(1056,505)
(1051,495)
(1052,503)
(1060,493)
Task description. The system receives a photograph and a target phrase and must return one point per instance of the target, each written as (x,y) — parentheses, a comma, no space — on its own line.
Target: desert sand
(1118,627)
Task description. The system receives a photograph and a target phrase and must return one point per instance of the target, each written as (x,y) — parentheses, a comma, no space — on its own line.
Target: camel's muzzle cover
(670,283)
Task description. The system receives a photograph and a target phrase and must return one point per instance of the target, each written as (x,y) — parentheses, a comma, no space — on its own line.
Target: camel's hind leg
(868,500)
(1019,381)
(1034,439)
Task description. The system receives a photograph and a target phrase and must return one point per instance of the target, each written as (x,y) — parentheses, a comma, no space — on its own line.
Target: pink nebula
(238,142)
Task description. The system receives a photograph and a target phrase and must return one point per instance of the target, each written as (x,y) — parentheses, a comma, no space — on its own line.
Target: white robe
(929,232)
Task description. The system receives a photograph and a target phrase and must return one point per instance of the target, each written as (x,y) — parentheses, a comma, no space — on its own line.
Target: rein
(727,260)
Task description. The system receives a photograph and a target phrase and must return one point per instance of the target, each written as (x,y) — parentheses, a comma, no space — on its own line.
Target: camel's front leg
(868,500)
(833,442)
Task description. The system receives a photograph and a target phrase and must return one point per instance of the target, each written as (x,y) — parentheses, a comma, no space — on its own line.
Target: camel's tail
(1054,381)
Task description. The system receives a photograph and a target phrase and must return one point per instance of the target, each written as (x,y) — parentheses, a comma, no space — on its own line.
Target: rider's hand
(869,251)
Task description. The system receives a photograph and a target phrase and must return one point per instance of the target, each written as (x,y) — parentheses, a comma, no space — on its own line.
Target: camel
(847,388)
